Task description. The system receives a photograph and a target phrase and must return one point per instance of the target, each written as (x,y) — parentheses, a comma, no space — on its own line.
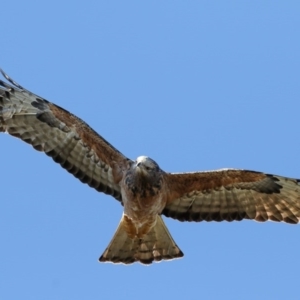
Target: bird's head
(145,166)
(144,178)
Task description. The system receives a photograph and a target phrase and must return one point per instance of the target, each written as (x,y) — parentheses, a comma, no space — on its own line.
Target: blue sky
(196,85)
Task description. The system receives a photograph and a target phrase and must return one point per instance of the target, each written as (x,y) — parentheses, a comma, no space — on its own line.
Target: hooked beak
(139,168)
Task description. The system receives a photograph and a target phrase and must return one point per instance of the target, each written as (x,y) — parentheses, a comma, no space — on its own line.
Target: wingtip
(3,73)
(9,79)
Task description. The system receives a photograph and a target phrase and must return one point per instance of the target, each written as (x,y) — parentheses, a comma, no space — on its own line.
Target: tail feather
(157,245)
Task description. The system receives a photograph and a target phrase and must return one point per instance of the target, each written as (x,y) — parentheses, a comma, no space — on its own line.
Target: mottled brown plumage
(145,191)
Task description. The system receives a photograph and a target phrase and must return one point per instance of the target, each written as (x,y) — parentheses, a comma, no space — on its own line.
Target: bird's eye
(148,168)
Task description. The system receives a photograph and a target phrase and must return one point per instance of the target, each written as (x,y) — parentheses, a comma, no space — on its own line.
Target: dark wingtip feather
(9,79)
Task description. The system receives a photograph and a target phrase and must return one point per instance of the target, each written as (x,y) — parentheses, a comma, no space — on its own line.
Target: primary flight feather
(145,191)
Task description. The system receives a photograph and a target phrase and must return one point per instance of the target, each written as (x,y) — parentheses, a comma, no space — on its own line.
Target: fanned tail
(157,245)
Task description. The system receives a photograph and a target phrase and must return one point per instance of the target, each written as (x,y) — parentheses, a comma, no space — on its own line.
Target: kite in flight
(142,187)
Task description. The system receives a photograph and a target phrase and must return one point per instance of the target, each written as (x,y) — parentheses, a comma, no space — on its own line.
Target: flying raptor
(142,187)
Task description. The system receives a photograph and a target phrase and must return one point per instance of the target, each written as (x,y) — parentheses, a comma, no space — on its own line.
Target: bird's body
(142,192)
(145,191)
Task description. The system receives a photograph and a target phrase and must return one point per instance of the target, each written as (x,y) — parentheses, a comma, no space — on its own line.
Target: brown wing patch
(206,181)
(233,195)
(104,149)
(62,136)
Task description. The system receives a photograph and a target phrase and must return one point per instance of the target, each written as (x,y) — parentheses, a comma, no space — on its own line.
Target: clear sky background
(196,85)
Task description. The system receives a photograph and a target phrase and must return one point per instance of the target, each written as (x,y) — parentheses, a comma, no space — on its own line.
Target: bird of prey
(142,187)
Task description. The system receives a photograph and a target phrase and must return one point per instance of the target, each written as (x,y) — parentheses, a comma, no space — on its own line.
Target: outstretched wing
(62,136)
(232,195)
